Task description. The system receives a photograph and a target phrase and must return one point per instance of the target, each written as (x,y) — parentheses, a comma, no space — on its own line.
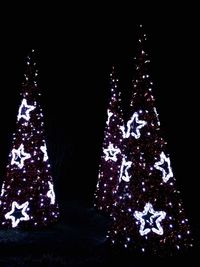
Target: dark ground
(77,240)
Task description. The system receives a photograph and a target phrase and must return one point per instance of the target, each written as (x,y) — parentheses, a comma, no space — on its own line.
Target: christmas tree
(27,194)
(149,216)
(112,156)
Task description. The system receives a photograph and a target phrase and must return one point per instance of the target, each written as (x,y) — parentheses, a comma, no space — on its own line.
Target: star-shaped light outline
(165,176)
(2,189)
(127,165)
(128,132)
(157,215)
(51,193)
(109,114)
(113,151)
(29,109)
(20,152)
(157,116)
(44,150)
(15,221)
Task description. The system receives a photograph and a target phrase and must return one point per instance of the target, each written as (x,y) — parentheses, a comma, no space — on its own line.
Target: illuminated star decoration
(164,166)
(44,150)
(19,156)
(109,113)
(133,127)
(111,152)
(150,218)
(24,110)
(51,193)
(155,110)
(124,170)
(2,190)
(18,213)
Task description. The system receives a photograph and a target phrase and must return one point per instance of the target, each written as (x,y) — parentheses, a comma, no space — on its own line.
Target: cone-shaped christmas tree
(112,155)
(27,194)
(149,216)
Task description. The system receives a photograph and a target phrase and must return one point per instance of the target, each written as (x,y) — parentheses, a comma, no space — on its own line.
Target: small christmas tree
(27,194)
(112,156)
(149,215)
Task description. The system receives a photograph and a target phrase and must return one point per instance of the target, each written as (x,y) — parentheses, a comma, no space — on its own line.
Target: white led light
(2,189)
(51,193)
(19,156)
(166,173)
(154,217)
(44,150)
(23,208)
(157,116)
(124,170)
(111,152)
(24,110)
(131,128)
(109,113)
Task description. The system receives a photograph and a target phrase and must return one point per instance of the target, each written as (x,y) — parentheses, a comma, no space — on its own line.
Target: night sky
(75,58)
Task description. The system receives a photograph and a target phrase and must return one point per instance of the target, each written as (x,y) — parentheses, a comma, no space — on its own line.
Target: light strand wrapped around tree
(27,195)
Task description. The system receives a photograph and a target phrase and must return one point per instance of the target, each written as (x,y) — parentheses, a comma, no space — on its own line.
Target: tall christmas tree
(149,216)
(112,156)
(27,194)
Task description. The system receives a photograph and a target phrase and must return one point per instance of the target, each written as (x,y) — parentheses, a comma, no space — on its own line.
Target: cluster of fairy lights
(22,158)
(148,221)
(109,168)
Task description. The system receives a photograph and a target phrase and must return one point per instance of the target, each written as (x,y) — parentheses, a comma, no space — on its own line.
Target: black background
(77,48)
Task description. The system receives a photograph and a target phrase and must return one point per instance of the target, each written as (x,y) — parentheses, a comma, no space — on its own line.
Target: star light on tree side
(19,156)
(149,216)
(44,150)
(24,110)
(156,216)
(111,152)
(14,215)
(133,127)
(124,170)
(161,166)
(27,196)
